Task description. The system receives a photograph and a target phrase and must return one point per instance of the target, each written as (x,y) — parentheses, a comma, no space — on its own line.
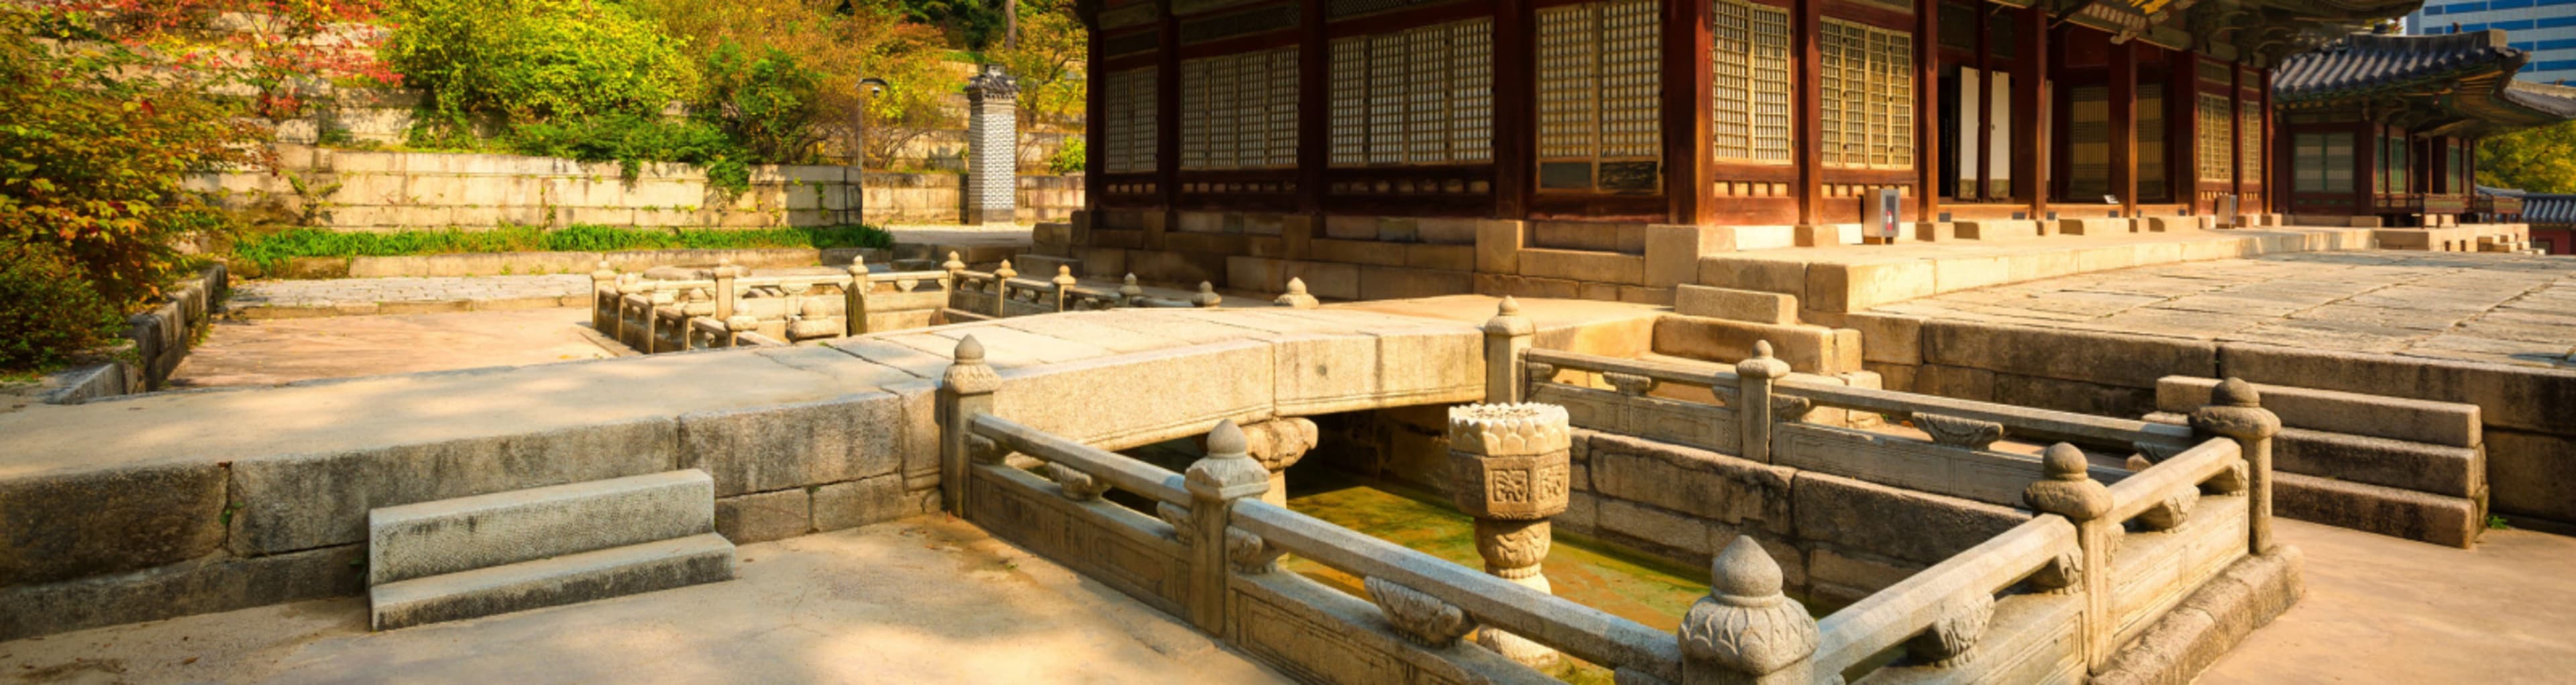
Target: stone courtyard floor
(2384,610)
(923,600)
(372,295)
(2474,306)
(272,351)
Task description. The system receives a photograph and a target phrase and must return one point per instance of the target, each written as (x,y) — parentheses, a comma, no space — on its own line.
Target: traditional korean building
(1386,148)
(2551,216)
(2383,129)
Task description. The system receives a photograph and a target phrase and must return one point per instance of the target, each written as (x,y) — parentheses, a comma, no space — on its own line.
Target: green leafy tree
(92,162)
(2540,159)
(768,102)
(842,41)
(537,60)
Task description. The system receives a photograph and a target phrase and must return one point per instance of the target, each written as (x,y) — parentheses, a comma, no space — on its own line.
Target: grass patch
(271,250)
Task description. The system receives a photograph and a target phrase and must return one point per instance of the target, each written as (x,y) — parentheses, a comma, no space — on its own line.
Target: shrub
(536,60)
(631,141)
(92,165)
(49,309)
(270,250)
(766,103)
(1068,157)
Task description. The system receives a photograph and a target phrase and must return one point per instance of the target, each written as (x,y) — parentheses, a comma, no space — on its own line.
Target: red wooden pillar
(2030,111)
(1314,113)
(2277,187)
(1688,195)
(1927,110)
(2124,125)
(2365,159)
(1167,129)
(2236,137)
(1095,100)
(1515,107)
(1806,31)
(2182,129)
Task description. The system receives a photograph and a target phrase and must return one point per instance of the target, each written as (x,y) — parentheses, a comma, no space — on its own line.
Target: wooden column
(2236,137)
(2276,189)
(1167,128)
(1687,192)
(2030,111)
(1094,128)
(1927,110)
(2182,129)
(1985,99)
(1806,28)
(2123,76)
(2365,160)
(1314,112)
(1515,107)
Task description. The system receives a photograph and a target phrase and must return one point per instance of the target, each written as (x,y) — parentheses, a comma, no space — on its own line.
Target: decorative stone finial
(970,375)
(1508,321)
(1005,272)
(2235,392)
(2236,411)
(953,263)
(1510,461)
(1207,296)
(1762,365)
(1228,471)
(603,273)
(2069,490)
(1064,276)
(1745,625)
(1296,297)
(970,350)
(1127,287)
(859,265)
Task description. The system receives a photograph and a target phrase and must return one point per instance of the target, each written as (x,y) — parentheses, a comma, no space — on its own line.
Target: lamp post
(869,87)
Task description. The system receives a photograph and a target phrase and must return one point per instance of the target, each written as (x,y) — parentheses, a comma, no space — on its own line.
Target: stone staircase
(524,549)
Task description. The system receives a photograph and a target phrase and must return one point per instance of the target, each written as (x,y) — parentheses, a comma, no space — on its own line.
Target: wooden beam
(1687,164)
(1927,110)
(1807,26)
(2030,111)
(2123,76)
(1167,129)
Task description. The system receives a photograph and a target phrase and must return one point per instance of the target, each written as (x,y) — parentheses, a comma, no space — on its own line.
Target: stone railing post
(737,325)
(725,274)
(1509,465)
(1297,297)
(2236,412)
(2070,491)
(1129,291)
(965,390)
(1754,378)
(603,298)
(650,315)
(955,281)
(1002,276)
(627,284)
(1064,282)
(1746,630)
(1228,473)
(1206,296)
(856,309)
(1507,338)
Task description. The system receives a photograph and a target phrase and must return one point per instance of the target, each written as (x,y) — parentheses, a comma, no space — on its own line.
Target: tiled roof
(2539,208)
(2363,63)
(2553,99)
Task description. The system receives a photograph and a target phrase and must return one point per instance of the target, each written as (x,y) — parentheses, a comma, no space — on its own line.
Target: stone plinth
(1510,463)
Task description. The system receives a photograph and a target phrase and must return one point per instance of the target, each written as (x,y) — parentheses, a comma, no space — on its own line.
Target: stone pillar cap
(1509,429)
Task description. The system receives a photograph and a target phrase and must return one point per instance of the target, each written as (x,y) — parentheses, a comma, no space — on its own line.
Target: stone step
(447,536)
(568,579)
(2434,469)
(2408,514)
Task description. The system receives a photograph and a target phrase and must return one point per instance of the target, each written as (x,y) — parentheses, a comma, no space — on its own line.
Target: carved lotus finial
(1746,625)
(1509,307)
(1228,471)
(1744,570)
(970,350)
(1509,429)
(1227,440)
(2063,461)
(2235,392)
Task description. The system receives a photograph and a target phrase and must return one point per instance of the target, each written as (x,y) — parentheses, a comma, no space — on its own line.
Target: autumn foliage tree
(2540,160)
(285,55)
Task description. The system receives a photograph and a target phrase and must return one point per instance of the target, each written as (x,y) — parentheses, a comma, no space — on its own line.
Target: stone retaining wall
(541,263)
(382,191)
(156,341)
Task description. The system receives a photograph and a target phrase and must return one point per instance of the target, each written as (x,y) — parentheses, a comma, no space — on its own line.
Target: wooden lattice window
(1421,96)
(2214,137)
(1232,111)
(1128,135)
(1868,79)
(2152,134)
(2249,141)
(2324,162)
(1749,82)
(1599,95)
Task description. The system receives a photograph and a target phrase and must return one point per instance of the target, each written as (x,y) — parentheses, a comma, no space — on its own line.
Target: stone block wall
(379,191)
(106,546)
